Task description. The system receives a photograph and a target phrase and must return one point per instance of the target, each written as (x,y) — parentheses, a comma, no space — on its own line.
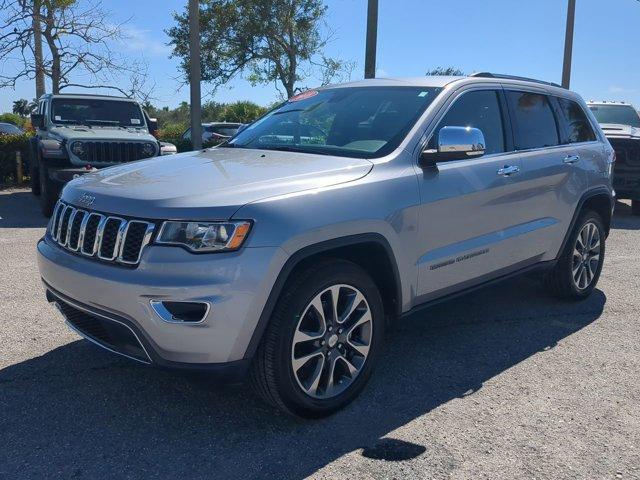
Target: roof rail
(512,77)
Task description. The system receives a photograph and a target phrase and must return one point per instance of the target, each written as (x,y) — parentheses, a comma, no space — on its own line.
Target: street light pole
(195,74)
(568,44)
(372,40)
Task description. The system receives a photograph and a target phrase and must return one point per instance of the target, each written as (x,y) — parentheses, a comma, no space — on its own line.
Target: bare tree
(78,35)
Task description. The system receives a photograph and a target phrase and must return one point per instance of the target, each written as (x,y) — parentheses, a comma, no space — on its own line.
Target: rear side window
(534,122)
(577,126)
(478,109)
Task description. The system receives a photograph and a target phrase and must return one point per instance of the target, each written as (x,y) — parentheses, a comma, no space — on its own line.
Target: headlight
(77,148)
(204,236)
(148,149)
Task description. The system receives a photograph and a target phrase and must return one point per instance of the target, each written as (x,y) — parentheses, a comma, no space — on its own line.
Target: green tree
(23,107)
(446,71)
(270,41)
(242,112)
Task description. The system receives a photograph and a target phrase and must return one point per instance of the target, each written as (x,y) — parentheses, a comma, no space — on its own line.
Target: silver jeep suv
(282,254)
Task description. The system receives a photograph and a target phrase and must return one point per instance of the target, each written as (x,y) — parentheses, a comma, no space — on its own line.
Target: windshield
(89,111)
(9,129)
(363,122)
(621,114)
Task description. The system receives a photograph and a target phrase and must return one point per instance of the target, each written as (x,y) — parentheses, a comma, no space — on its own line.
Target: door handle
(571,159)
(508,170)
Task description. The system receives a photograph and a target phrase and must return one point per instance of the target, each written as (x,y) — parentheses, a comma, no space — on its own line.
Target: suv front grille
(112,152)
(108,238)
(627,151)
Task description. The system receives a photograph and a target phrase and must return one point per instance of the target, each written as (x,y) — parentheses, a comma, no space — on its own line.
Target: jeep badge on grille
(86,199)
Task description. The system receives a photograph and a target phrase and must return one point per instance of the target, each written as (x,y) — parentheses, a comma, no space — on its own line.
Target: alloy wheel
(331,341)
(586,256)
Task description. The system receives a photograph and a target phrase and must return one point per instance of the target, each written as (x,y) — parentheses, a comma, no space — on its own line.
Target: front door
(469,228)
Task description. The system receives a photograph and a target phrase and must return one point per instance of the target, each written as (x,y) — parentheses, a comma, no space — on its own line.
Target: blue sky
(506,36)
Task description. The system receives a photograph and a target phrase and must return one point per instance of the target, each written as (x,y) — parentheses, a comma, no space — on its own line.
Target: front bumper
(236,285)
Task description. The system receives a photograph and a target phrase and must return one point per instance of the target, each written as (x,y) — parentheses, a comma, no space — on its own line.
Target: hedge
(9,145)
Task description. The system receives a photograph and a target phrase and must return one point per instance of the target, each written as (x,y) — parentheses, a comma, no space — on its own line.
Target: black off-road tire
(272,375)
(48,191)
(34,172)
(560,280)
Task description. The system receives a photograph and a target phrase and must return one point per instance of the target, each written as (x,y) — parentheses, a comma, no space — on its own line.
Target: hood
(81,132)
(619,130)
(210,184)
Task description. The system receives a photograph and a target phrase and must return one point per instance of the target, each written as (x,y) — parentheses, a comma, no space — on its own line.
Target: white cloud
(139,40)
(617,89)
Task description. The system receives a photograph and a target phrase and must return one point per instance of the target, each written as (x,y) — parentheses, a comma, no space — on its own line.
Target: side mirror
(37,120)
(152,125)
(454,143)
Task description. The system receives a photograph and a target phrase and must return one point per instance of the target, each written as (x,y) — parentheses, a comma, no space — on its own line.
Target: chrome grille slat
(93,235)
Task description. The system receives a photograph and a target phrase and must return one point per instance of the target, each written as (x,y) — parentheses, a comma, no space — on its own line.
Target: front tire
(48,190)
(578,269)
(322,341)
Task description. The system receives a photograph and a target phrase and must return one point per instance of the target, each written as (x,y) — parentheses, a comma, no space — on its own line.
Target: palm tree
(23,108)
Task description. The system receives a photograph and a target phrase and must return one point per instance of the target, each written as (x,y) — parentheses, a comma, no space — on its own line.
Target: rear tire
(311,363)
(635,207)
(578,269)
(48,191)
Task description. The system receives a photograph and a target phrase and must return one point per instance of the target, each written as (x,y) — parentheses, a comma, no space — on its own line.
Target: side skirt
(449,293)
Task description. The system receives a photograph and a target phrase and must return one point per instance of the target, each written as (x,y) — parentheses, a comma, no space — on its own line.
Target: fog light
(180,312)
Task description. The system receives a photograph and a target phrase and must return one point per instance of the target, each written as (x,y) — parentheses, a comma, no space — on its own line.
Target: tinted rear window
(575,122)
(534,123)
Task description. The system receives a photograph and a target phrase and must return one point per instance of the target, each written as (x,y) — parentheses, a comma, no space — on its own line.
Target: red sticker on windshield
(303,95)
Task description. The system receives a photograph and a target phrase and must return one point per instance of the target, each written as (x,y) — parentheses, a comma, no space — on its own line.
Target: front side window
(576,122)
(365,122)
(534,121)
(620,114)
(478,109)
(87,111)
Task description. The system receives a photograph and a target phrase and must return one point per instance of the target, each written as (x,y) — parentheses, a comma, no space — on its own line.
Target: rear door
(553,177)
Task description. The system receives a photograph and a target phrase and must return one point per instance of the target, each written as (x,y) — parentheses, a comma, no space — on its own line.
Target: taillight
(611,159)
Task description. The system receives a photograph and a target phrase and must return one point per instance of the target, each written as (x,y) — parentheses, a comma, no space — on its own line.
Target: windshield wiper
(290,148)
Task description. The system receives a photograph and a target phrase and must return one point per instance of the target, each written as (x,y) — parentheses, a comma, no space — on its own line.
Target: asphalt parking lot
(502,383)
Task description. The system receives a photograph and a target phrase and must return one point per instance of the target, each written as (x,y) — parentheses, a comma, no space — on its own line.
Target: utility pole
(372,40)
(194,74)
(568,44)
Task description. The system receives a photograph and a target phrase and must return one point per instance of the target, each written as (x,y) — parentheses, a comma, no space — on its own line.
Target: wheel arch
(599,200)
(371,251)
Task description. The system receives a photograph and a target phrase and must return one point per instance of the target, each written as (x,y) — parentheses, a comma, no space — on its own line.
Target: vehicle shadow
(79,412)
(623,219)
(20,209)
